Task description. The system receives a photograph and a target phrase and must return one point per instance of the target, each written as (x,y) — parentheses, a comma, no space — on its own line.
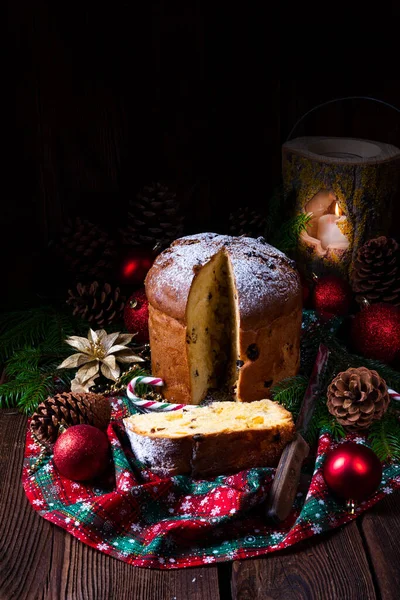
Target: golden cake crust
(267,282)
(269,301)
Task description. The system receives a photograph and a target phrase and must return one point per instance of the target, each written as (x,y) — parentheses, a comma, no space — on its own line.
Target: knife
(287,474)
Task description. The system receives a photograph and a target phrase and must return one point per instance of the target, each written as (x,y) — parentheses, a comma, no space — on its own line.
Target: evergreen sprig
(384,436)
(32,327)
(287,236)
(32,345)
(290,393)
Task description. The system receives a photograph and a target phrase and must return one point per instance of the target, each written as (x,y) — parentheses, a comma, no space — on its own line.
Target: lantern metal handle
(339,100)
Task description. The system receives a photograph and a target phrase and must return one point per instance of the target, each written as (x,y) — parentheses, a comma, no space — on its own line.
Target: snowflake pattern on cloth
(142,519)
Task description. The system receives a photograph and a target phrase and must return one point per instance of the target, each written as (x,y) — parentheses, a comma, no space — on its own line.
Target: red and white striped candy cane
(149,404)
(394,395)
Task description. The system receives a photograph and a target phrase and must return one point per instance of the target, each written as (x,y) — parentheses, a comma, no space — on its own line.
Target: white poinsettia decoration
(100,351)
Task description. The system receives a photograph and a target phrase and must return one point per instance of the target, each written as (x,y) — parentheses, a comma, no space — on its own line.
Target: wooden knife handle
(286,481)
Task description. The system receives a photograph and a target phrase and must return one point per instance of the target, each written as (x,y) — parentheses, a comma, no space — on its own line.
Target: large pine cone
(86,250)
(247,222)
(376,271)
(154,218)
(357,397)
(98,304)
(69,409)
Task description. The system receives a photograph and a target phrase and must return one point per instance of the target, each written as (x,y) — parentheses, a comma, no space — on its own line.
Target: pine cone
(357,397)
(69,409)
(86,250)
(376,272)
(247,222)
(98,304)
(154,218)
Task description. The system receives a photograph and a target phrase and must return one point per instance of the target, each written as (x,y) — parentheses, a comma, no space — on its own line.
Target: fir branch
(39,388)
(27,327)
(287,236)
(11,392)
(384,436)
(290,393)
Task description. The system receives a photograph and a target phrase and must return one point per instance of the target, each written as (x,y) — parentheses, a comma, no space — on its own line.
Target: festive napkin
(135,516)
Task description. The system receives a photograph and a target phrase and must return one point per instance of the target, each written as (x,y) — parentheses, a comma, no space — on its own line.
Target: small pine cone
(376,271)
(98,304)
(154,218)
(247,222)
(86,250)
(357,397)
(69,409)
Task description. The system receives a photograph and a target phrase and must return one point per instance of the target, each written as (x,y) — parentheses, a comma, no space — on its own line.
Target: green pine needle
(384,436)
(287,236)
(290,393)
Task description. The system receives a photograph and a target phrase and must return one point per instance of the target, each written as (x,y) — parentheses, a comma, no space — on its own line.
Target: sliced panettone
(222,437)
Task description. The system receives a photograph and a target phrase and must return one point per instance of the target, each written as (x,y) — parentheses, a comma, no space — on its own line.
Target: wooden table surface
(41,561)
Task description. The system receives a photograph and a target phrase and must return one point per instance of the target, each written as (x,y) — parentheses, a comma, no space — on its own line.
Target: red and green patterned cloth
(178,522)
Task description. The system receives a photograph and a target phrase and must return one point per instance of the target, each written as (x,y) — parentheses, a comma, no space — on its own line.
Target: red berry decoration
(352,471)
(136,316)
(135,265)
(82,452)
(332,296)
(375,332)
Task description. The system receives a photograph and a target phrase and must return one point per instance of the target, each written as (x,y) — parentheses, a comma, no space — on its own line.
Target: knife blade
(287,474)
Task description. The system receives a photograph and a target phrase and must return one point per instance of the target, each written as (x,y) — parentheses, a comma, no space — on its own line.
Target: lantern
(348,187)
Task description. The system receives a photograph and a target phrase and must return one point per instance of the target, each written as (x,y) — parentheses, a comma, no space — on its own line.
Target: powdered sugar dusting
(266,280)
(155,452)
(169,280)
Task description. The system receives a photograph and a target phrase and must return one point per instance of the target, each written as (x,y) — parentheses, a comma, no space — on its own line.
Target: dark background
(108,99)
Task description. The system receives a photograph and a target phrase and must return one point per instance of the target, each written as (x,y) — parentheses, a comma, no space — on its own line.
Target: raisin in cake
(223,311)
(222,437)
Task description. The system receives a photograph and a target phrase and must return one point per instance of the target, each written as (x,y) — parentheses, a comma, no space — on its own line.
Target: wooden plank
(381,530)
(330,567)
(39,560)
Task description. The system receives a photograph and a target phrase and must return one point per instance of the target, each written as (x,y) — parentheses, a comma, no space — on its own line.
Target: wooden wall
(109,98)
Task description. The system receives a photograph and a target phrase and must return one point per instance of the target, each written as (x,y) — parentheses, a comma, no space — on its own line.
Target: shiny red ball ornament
(352,471)
(332,296)
(135,265)
(82,452)
(375,332)
(136,316)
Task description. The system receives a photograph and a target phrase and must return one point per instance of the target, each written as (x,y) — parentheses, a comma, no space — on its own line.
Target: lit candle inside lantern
(328,231)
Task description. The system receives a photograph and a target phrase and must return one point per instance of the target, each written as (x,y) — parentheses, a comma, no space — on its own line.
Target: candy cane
(149,404)
(394,395)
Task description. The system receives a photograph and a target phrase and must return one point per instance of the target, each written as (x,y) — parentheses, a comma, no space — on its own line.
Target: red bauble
(332,296)
(352,471)
(82,452)
(375,332)
(136,316)
(135,264)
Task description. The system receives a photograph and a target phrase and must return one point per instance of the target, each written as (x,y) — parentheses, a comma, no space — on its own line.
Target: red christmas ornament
(135,265)
(82,452)
(375,332)
(352,471)
(136,316)
(332,296)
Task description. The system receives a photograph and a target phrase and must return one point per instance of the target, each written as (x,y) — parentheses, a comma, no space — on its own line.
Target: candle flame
(337,210)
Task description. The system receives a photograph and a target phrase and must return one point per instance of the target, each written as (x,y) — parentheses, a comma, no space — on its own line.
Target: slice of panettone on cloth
(175,522)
